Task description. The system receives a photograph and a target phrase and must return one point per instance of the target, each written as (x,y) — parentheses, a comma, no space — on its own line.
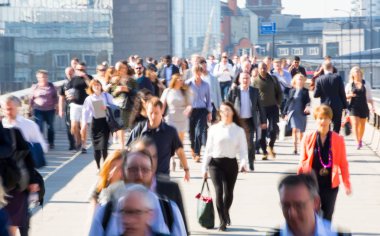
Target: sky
(316,8)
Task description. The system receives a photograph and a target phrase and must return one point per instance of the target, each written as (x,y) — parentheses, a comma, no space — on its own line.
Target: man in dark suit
(246,100)
(166,72)
(320,72)
(329,87)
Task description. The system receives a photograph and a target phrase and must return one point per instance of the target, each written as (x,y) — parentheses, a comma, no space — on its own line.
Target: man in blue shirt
(201,112)
(167,70)
(300,203)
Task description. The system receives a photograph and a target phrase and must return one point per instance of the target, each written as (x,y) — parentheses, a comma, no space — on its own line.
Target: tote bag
(205,208)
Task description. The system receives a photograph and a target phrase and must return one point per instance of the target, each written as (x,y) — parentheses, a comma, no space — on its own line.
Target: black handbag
(205,208)
(347,128)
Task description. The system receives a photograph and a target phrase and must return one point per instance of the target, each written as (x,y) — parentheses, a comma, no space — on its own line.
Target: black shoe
(228,221)
(252,168)
(84,150)
(223,227)
(71,148)
(51,146)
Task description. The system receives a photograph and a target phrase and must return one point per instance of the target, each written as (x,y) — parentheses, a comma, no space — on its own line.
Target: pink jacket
(340,162)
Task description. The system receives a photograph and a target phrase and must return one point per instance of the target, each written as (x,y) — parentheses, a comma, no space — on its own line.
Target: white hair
(143,193)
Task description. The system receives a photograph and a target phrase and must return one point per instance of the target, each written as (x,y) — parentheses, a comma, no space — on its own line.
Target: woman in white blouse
(94,107)
(226,141)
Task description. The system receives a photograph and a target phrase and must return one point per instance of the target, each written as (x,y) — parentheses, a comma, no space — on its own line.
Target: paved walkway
(255,210)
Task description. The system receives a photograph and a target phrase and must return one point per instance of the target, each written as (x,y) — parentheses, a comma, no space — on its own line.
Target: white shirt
(245,107)
(29,130)
(322,228)
(225,141)
(223,76)
(88,108)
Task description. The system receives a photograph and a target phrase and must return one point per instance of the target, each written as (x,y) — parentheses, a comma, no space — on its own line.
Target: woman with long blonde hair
(359,95)
(177,101)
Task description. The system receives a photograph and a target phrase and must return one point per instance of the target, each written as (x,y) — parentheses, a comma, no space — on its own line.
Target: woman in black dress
(359,95)
(93,106)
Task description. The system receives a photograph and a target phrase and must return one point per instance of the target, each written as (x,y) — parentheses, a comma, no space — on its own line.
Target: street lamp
(341,40)
(370,43)
(349,29)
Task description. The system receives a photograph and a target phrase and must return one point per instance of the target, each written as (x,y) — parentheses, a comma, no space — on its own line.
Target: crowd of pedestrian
(229,108)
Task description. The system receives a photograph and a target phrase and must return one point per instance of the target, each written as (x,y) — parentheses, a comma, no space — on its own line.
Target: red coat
(340,163)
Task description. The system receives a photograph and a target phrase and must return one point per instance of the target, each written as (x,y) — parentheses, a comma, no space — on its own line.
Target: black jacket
(162,72)
(330,89)
(234,97)
(171,190)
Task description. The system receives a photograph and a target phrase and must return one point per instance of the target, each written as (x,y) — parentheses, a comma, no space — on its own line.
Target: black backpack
(9,171)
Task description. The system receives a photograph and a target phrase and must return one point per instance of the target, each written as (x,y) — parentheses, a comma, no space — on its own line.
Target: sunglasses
(138,68)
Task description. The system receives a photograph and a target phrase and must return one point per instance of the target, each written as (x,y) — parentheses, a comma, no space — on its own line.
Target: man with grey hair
(138,168)
(135,211)
(300,203)
(246,100)
(29,129)
(64,106)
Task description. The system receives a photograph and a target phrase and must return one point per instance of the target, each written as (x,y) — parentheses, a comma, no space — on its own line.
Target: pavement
(256,210)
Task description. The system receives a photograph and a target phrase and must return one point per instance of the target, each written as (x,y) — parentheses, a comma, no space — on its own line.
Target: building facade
(142,27)
(47,34)
(196,27)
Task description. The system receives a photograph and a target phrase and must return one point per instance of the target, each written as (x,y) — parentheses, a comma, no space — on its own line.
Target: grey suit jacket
(234,96)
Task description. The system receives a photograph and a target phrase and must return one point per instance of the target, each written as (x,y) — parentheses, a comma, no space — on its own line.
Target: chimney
(232,5)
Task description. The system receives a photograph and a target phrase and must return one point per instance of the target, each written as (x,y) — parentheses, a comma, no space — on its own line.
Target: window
(332,49)
(190,42)
(283,51)
(313,51)
(200,41)
(90,60)
(297,51)
(61,60)
(313,40)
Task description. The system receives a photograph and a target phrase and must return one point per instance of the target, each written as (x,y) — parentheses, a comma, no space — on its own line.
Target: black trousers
(198,129)
(249,129)
(328,199)
(337,120)
(70,137)
(272,129)
(223,173)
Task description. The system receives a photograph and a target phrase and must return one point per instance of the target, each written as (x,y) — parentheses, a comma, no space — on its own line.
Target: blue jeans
(198,129)
(45,116)
(224,88)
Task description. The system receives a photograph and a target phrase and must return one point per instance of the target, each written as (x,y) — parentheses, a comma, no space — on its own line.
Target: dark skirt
(17,208)
(100,133)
